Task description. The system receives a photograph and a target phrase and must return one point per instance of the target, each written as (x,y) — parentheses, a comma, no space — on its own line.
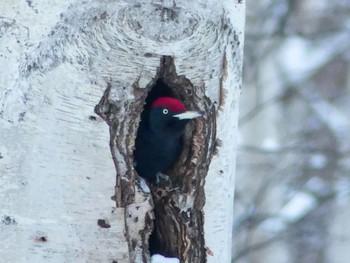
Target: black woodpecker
(159,137)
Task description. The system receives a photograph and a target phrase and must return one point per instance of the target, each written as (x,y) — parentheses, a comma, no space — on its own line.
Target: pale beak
(188,115)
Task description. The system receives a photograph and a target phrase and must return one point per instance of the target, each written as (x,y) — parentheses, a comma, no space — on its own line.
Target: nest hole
(161,88)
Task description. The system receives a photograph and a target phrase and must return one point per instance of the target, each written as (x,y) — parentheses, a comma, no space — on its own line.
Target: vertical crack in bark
(179,225)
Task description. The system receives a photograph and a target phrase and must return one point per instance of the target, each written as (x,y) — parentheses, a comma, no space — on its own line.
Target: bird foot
(165,178)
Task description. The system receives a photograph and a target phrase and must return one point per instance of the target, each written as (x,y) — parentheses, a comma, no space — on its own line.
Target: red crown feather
(170,103)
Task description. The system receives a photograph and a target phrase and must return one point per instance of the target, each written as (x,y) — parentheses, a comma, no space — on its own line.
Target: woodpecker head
(168,116)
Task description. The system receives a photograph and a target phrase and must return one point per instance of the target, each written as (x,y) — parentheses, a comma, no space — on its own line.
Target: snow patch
(317,186)
(144,186)
(161,259)
(332,116)
(300,58)
(270,144)
(273,224)
(300,205)
(318,161)
(342,187)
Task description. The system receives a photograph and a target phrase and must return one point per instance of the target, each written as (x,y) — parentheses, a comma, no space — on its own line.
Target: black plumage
(159,137)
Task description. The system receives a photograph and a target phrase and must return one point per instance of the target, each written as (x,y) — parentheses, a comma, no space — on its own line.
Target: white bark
(56,170)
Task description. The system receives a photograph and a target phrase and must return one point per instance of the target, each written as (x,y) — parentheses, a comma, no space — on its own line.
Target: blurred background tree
(292,199)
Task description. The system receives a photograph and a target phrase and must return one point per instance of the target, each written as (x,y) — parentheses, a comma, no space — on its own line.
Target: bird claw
(165,178)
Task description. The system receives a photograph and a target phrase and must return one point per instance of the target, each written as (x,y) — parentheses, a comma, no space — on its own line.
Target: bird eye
(165,111)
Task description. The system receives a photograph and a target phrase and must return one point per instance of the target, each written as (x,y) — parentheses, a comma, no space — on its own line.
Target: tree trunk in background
(66,64)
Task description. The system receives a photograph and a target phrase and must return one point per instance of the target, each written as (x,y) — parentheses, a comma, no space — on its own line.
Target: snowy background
(293,183)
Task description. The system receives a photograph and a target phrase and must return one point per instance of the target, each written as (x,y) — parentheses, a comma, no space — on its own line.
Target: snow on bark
(57,173)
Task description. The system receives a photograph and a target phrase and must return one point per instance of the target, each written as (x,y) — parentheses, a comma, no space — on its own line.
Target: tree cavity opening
(178,228)
(178,216)
(163,188)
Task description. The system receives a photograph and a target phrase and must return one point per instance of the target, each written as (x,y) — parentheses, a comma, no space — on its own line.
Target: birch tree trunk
(74,80)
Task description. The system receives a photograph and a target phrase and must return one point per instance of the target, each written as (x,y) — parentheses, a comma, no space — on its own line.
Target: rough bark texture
(110,54)
(179,217)
(179,214)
